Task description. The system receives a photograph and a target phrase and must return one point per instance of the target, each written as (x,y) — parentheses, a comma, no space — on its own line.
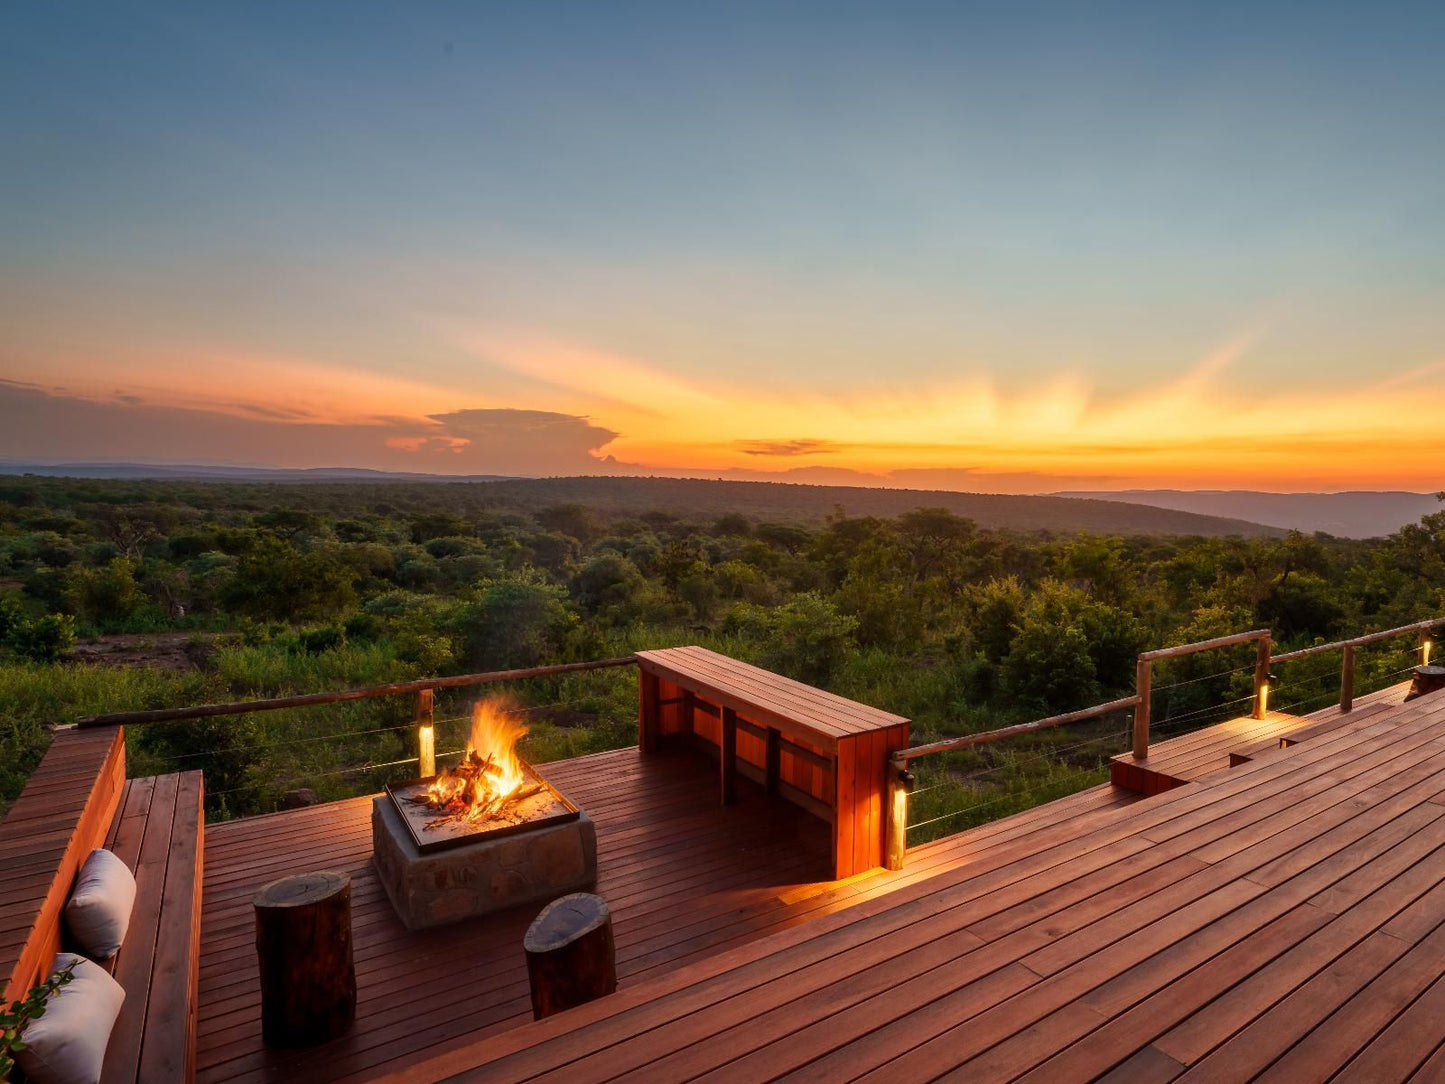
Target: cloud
(276,413)
(40,424)
(787,447)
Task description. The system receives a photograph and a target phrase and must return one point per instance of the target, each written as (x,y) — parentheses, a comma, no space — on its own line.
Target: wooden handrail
(1263,639)
(1205,645)
(1348,647)
(903,756)
(1359,641)
(243,707)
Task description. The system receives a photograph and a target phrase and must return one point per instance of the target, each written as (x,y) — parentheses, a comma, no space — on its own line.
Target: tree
(574,520)
(281,581)
(807,637)
(105,594)
(511,624)
(996,609)
(1050,666)
(608,582)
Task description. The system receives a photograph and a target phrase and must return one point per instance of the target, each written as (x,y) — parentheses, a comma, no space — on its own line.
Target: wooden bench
(819,750)
(78,799)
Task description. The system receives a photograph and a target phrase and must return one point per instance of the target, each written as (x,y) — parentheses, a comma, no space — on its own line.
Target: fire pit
(488,834)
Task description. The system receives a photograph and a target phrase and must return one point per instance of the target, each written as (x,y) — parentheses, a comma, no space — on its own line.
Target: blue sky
(792,210)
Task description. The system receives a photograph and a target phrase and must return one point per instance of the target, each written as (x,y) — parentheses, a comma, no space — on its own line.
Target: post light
(1270,682)
(426,742)
(907,780)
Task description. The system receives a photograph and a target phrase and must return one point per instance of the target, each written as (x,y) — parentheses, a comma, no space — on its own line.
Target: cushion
(98,912)
(66,1045)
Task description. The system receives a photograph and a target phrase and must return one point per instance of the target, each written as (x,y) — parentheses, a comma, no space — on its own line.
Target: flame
(490,773)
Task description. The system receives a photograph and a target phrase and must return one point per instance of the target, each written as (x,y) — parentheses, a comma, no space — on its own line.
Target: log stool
(570,956)
(1426,680)
(303,944)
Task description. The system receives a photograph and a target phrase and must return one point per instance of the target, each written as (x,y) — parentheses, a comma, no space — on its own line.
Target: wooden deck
(685,879)
(1281,920)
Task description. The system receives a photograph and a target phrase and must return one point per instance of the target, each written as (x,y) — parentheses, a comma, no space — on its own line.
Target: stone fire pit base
(478,878)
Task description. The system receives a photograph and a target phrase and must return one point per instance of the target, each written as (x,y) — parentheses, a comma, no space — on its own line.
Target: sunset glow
(924,278)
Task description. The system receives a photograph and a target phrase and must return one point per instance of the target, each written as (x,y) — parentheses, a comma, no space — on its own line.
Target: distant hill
(690,498)
(221,472)
(1360,514)
(781,501)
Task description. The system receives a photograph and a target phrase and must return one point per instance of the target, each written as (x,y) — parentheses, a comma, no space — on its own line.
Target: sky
(1002,247)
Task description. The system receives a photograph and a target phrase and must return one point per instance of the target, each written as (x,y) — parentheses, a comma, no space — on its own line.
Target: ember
(488,782)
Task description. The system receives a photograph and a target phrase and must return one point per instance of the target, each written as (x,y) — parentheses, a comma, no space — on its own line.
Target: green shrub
(46,639)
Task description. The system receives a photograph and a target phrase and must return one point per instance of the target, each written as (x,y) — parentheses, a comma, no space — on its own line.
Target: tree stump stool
(570,954)
(303,944)
(1426,680)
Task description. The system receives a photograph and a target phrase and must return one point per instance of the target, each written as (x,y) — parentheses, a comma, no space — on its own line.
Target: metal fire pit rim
(431,846)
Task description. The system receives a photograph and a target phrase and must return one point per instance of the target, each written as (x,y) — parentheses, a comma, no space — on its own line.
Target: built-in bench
(819,750)
(78,799)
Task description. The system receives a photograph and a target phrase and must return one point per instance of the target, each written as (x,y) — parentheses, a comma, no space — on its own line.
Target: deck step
(1199,753)
(1218,748)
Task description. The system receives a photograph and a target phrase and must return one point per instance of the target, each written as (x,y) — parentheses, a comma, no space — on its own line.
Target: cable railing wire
(1002,797)
(317,775)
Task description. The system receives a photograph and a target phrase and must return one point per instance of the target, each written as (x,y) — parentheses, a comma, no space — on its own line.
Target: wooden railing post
(895,843)
(1261,677)
(1347,679)
(1144,681)
(426,742)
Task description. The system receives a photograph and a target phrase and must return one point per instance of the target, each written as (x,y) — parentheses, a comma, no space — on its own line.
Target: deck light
(1270,682)
(426,750)
(907,780)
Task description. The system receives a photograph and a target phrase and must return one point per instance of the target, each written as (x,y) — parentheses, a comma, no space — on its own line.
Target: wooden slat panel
(63,814)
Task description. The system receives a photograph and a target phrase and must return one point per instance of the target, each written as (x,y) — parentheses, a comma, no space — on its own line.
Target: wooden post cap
(571,958)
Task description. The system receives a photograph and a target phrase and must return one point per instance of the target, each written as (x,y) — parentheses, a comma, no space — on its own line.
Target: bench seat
(76,800)
(814,748)
(159,832)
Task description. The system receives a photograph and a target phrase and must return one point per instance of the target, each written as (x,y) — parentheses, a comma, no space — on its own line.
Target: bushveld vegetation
(282,589)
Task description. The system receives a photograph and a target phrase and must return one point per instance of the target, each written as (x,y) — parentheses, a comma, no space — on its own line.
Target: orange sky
(1197,429)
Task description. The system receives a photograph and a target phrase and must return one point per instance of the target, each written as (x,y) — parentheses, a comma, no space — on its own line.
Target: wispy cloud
(786,448)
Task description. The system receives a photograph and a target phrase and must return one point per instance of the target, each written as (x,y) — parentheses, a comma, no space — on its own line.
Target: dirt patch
(162,650)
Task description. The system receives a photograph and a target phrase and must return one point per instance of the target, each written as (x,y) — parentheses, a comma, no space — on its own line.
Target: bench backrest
(64,813)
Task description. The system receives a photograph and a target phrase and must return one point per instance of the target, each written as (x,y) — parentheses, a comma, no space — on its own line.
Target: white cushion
(98,913)
(66,1045)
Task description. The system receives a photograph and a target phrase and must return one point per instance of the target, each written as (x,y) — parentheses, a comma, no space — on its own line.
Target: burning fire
(490,778)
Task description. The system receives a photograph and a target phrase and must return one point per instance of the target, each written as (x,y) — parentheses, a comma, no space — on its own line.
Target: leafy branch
(14,1019)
